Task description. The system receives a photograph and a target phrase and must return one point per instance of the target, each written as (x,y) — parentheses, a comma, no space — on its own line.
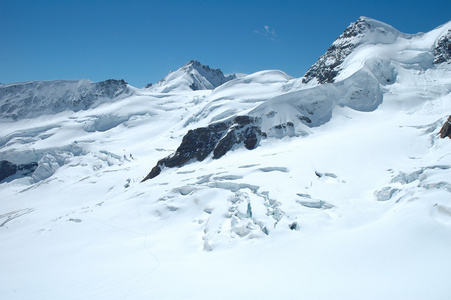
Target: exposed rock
(8,169)
(191,77)
(364,30)
(446,129)
(218,138)
(294,226)
(244,130)
(217,73)
(111,88)
(283,129)
(442,50)
(325,69)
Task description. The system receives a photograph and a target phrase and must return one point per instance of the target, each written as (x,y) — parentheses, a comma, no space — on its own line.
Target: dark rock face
(442,51)
(108,89)
(244,130)
(111,88)
(214,76)
(194,87)
(8,169)
(326,68)
(294,226)
(215,72)
(218,138)
(446,129)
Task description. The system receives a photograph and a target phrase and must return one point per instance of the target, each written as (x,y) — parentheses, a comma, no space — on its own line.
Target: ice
(316,204)
(386,193)
(9,216)
(185,190)
(420,175)
(274,169)
(233,187)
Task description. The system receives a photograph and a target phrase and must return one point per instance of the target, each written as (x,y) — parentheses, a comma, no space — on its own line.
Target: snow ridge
(35,98)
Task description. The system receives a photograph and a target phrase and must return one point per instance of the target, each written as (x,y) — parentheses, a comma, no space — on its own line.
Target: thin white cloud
(267,32)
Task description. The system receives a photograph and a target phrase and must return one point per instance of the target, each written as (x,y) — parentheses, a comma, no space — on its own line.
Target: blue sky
(141,41)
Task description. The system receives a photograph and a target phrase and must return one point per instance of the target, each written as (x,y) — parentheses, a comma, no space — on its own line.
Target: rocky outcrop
(217,138)
(445,131)
(244,130)
(325,69)
(111,88)
(442,50)
(8,169)
(219,77)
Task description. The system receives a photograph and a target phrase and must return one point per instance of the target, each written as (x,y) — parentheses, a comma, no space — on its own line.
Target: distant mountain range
(34,98)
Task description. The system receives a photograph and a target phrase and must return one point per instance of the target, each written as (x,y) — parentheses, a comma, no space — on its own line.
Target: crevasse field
(354,205)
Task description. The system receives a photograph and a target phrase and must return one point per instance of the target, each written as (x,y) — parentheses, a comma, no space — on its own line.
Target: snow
(35,98)
(192,76)
(351,205)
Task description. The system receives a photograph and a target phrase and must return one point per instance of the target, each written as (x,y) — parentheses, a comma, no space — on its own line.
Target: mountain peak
(363,31)
(192,76)
(194,63)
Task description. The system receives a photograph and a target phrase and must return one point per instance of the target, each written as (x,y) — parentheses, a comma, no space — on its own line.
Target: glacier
(344,195)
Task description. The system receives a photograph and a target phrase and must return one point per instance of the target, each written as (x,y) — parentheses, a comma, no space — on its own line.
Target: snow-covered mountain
(359,66)
(191,77)
(335,185)
(34,98)
(363,31)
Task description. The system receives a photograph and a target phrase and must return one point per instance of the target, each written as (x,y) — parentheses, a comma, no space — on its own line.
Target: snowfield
(347,197)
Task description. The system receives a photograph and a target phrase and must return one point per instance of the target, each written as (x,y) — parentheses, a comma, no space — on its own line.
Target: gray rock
(445,131)
(8,169)
(217,138)
(442,50)
(325,69)
(294,226)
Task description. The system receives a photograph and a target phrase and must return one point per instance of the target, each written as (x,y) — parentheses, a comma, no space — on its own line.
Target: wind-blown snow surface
(353,205)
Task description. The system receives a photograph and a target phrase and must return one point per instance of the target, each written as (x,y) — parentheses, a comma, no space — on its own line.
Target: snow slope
(348,196)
